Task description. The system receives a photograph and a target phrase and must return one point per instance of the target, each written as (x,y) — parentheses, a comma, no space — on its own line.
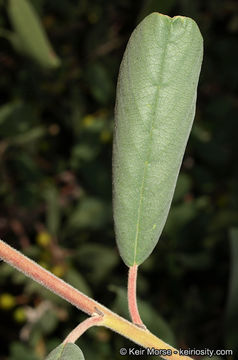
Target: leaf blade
(68,351)
(152,127)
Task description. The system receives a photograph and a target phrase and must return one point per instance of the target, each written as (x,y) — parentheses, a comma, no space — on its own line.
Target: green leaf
(30,35)
(66,352)
(155,107)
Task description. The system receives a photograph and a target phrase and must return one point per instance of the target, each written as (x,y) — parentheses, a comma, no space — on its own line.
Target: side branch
(109,319)
(82,327)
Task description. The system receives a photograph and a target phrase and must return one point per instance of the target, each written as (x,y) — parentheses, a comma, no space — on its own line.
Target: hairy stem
(82,327)
(131,294)
(110,319)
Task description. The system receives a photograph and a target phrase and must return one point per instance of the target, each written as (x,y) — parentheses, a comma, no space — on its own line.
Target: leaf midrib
(149,148)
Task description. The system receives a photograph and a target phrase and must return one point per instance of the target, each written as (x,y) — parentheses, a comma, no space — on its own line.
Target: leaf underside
(155,107)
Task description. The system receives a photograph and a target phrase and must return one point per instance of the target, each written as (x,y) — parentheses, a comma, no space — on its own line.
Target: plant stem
(131,294)
(82,327)
(46,278)
(109,319)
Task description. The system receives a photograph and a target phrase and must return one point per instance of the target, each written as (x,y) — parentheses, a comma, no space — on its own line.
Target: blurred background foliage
(56,120)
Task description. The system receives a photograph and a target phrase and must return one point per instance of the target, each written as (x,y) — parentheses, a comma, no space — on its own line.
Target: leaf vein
(148,154)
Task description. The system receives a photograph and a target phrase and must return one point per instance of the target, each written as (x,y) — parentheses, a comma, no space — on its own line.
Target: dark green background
(55,176)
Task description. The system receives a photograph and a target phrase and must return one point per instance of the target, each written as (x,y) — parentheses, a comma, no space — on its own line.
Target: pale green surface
(66,352)
(155,106)
(30,36)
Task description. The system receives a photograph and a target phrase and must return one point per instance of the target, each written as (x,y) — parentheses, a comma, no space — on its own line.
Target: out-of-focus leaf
(100,83)
(207,151)
(155,108)
(53,210)
(6,270)
(26,168)
(98,180)
(152,320)
(194,261)
(179,216)
(225,218)
(33,287)
(90,346)
(7,110)
(16,119)
(82,153)
(47,323)
(75,279)
(31,34)
(232,303)
(66,352)
(182,187)
(19,278)
(22,352)
(27,137)
(99,260)
(201,134)
(44,321)
(90,212)
(38,5)
(14,39)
